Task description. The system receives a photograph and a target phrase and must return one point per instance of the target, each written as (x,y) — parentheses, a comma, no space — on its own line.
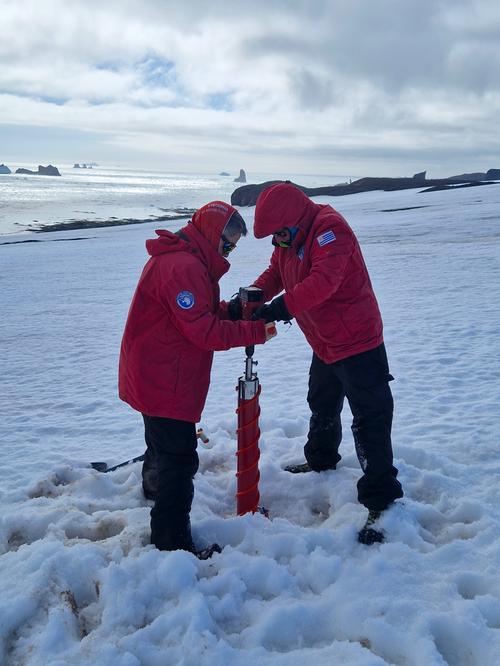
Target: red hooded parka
(176,322)
(326,282)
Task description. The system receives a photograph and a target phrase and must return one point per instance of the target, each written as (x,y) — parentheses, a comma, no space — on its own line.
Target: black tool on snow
(103,467)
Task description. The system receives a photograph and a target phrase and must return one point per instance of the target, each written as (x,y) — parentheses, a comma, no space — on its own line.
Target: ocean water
(102,193)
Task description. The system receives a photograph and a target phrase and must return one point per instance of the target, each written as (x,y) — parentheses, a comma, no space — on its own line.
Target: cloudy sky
(352,87)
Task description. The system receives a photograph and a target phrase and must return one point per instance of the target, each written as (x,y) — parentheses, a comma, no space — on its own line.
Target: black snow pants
(169,467)
(364,380)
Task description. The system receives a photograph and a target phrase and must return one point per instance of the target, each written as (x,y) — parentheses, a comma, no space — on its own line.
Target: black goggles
(227,245)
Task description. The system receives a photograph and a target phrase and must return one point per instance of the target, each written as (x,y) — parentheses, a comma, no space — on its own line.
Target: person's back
(153,350)
(328,289)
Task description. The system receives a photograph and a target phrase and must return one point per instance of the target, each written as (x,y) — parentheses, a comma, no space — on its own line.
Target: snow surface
(79,582)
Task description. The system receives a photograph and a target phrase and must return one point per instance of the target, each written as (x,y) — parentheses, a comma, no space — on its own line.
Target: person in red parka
(317,261)
(175,323)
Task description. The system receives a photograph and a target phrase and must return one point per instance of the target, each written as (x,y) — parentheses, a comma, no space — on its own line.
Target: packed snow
(80,583)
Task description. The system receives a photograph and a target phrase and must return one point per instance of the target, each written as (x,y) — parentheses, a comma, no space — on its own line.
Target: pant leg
(325,398)
(149,468)
(365,378)
(177,462)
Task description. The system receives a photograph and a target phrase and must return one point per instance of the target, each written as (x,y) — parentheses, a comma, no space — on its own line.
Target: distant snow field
(80,583)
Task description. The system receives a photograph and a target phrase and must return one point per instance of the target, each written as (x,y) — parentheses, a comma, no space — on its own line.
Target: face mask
(279,243)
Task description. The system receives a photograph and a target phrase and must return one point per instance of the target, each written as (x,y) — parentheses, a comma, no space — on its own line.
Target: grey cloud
(420,74)
(312,91)
(392,44)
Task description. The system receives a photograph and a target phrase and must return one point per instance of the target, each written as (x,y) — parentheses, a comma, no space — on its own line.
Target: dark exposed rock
(454,186)
(42,171)
(48,170)
(247,194)
(242,178)
(223,173)
(491,174)
(395,210)
(420,176)
(478,175)
(4,169)
(52,240)
(174,214)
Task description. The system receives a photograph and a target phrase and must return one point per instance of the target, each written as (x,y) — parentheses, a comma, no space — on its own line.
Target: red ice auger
(248,453)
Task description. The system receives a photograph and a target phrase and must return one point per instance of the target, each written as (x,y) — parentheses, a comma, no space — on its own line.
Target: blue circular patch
(185,300)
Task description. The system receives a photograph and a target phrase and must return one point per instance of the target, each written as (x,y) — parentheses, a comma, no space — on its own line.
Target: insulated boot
(368,535)
(298,469)
(206,553)
(301,468)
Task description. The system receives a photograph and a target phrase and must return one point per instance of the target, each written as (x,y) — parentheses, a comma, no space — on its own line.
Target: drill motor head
(251,299)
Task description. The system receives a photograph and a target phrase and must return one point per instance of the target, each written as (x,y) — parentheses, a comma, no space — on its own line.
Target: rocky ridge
(246,195)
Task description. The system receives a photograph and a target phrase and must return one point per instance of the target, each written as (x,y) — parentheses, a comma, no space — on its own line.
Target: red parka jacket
(174,325)
(326,282)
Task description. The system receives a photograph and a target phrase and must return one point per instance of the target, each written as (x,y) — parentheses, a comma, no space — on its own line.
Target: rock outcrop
(478,175)
(4,169)
(491,174)
(242,178)
(458,186)
(247,194)
(49,170)
(223,173)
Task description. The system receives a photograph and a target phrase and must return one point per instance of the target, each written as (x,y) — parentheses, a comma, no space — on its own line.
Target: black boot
(206,553)
(301,468)
(298,469)
(368,535)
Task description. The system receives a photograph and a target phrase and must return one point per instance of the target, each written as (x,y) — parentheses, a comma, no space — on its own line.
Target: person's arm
(187,295)
(223,311)
(328,266)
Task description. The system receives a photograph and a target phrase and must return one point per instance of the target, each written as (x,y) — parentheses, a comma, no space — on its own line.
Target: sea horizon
(105,192)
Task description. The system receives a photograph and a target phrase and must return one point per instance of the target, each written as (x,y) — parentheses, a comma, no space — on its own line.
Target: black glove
(234,308)
(274,311)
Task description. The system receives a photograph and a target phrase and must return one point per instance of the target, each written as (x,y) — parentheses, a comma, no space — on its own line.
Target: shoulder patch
(185,300)
(327,237)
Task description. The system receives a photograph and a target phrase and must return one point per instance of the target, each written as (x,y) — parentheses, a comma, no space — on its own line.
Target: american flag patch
(326,238)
